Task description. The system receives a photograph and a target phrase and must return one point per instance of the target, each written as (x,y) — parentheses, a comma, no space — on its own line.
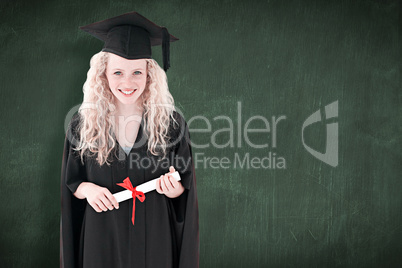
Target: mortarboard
(131,36)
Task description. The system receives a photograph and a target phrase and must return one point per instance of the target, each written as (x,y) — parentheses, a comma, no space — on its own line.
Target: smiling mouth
(127,92)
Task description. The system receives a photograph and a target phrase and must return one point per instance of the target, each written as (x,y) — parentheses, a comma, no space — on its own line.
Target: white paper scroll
(145,188)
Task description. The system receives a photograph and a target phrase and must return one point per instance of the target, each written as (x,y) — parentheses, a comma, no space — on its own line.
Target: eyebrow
(135,69)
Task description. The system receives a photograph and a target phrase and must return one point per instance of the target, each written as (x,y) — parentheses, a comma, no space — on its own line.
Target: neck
(126,117)
(128,110)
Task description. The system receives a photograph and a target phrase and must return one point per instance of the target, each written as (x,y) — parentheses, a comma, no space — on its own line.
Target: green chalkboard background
(249,58)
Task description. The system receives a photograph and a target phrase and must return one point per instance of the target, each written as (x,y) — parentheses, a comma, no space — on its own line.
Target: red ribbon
(140,195)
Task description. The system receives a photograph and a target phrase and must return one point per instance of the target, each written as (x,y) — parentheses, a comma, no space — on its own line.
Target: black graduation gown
(165,233)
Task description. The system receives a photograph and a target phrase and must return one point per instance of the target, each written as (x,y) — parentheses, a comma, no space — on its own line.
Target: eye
(137,72)
(117,73)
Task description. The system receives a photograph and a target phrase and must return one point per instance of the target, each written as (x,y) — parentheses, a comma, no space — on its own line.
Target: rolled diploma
(145,188)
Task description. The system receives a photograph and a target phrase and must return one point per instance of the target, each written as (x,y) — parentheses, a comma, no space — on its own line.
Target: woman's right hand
(100,198)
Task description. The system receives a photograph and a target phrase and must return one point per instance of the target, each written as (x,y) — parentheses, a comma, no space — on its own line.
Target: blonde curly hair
(96,121)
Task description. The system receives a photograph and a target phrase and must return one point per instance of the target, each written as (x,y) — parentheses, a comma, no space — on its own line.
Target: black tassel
(166,49)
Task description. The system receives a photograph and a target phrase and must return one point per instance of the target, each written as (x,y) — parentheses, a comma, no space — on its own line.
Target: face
(127,79)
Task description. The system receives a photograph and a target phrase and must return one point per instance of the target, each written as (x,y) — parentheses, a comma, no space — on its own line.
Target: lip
(127,95)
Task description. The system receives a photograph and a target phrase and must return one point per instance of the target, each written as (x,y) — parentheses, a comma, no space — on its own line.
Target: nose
(129,82)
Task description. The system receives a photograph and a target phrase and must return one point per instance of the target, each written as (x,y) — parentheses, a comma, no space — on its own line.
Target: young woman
(129,130)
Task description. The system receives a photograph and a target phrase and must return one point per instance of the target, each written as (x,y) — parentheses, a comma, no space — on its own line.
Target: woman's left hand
(168,185)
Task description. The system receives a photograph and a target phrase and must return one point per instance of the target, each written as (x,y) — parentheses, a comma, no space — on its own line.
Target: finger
(174,182)
(167,182)
(96,208)
(171,169)
(106,202)
(163,184)
(103,199)
(112,199)
(158,186)
(100,204)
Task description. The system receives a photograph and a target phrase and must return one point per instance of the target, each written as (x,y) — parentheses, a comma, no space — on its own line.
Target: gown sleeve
(72,208)
(185,206)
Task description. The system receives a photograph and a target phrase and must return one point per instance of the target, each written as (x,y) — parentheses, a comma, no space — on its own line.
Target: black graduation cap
(131,36)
